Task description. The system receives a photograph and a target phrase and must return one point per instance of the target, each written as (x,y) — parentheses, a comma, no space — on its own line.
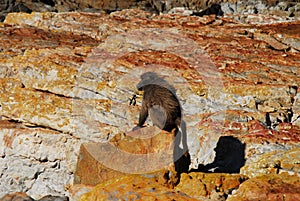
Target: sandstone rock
(66,79)
(89,89)
(31,163)
(54,198)
(77,190)
(271,41)
(271,187)
(145,151)
(90,171)
(255,133)
(23,197)
(273,162)
(271,10)
(133,187)
(296,109)
(16,197)
(215,186)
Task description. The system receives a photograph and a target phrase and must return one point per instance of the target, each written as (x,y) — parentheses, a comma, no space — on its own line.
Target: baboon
(160,102)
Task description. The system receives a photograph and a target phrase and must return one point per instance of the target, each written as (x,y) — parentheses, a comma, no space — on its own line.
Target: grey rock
(33,164)
(18,196)
(54,198)
(228,8)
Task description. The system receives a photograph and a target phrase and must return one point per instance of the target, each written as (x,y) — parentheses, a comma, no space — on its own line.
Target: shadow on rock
(230,156)
(182,159)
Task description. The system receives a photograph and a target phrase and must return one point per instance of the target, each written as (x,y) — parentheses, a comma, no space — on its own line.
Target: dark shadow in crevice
(230,156)
(181,156)
(214,9)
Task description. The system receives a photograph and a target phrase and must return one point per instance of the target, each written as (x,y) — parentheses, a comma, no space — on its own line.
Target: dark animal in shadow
(161,104)
(159,101)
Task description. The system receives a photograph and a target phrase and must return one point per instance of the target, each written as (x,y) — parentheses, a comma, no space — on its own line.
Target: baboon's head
(146,79)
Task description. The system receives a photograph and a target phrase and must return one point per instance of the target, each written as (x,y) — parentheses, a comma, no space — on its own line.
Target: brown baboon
(159,101)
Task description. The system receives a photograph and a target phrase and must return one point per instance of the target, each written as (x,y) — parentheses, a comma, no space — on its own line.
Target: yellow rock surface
(133,188)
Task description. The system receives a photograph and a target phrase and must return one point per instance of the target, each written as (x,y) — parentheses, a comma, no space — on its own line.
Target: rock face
(133,188)
(30,162)
(241,10)
(137,153)
(270,187)
(17,196)
(213,186)
(66,79)
(278,161)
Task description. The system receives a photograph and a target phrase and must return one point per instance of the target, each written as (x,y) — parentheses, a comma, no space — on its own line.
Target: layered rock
(66,79)
(134,188)
(146,151)
(270,187)
(30,163)
(244,11)
(23,197)
(213,186)
(275,162)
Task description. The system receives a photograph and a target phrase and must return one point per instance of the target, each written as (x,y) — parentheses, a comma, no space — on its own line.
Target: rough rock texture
(30,163)
(274,162)
(133,188)
(239,10)
(137,152)
(269,187)
(17,197)
(215,186)
(67,78)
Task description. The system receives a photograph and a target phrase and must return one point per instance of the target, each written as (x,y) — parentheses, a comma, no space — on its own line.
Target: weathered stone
(18,196)
(273,162)
(296,109)
(199,185)
(245,11)
(269,187)
(145,151)
(257,132)
(66,79)
(77,190)
(133,187)
(54,198)
(31,163)
(90,171)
